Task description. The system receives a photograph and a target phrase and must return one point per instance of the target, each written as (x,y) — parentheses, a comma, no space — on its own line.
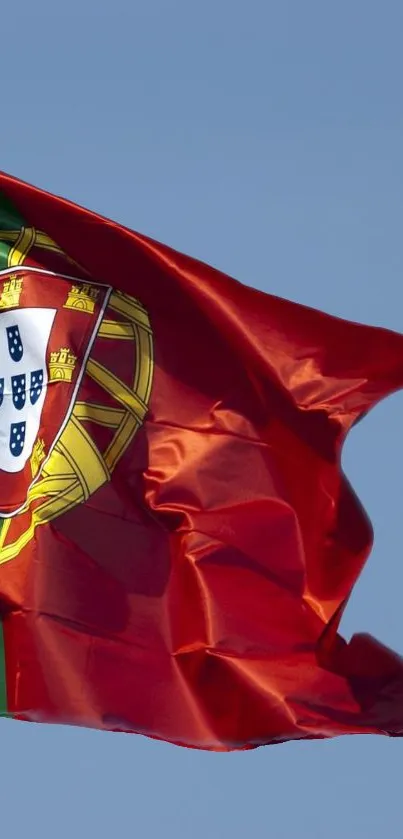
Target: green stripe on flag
(10,220)
(3,686)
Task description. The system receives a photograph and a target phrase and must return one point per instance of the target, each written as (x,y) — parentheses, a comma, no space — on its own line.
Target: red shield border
(80,307)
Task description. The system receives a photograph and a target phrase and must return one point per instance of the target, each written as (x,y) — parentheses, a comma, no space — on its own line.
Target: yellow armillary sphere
(76,466)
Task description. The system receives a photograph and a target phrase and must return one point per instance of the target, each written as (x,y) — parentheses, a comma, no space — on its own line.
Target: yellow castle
(82,298)
(61,365)
(10,295)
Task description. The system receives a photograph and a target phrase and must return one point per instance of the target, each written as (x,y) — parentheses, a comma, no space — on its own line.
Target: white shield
(24,336)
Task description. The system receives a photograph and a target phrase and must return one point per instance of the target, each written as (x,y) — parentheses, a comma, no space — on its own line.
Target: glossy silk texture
(195,597)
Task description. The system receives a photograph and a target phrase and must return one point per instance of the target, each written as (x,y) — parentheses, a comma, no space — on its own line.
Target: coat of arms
(67,414)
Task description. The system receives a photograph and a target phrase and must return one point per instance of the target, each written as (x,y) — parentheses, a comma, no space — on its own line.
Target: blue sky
(266,139)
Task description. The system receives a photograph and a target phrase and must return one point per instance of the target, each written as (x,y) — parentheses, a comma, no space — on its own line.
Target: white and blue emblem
(24,337)
(18,390)
(14,342)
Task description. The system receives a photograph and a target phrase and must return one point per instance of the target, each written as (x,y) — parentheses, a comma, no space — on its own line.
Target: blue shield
(17,438)
(15,347)
(36,385)
(24,339)
(18,391)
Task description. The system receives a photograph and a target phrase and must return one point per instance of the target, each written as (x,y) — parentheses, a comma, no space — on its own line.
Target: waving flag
(177,538)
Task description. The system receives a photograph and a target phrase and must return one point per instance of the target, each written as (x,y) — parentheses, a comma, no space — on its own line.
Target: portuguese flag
(177,538)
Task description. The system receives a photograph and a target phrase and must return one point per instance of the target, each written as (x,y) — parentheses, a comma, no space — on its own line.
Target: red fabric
(195,597)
